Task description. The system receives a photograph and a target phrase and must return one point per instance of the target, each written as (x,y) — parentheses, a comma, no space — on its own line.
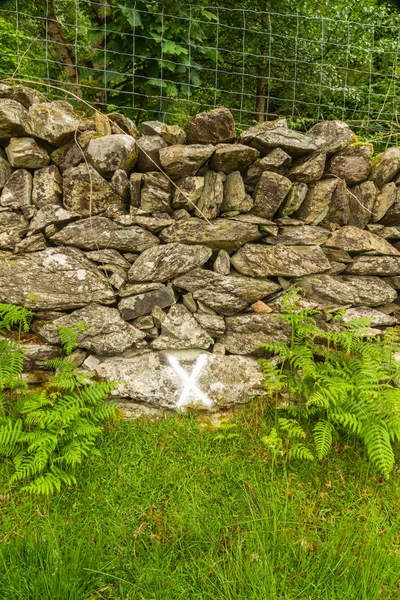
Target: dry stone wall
(173,250)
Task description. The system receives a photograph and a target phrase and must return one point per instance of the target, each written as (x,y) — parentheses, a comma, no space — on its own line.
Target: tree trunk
(262,76)
(65,53)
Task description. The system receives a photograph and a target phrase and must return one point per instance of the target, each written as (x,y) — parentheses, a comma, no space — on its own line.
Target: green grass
(170,512)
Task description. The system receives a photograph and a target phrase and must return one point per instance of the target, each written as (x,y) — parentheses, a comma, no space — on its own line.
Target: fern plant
(47,432)
(341,378)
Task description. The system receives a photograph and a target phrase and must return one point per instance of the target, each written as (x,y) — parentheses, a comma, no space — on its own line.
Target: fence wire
(151,61)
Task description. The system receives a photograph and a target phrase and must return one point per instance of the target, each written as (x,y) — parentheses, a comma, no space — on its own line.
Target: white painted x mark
(190,381)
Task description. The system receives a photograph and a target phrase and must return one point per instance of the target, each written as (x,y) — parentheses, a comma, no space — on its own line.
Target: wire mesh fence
(169,62)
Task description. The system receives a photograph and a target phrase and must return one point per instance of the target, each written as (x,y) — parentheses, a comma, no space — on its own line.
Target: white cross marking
(190,381)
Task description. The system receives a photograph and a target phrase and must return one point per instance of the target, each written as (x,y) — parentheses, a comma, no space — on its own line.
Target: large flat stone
(136,306)
(233,157)
(150,378)
(375,265)
(353,239)
(276,134)
(299,235)
(54,279)
(181,161)
(112,152)
(331,136)
(212,127)
(245,334)
(54,122)
(286,261)
(180,330)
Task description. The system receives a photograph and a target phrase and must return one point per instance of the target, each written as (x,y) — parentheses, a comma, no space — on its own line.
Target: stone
(33,243)
(276,134)
(261,308)
(286,261)
(315,205)
(25,153)
(135,186)
(187,192)
(212,127)
(22,94)
(152,128)
(269,194)
(336,255)
(384,200)
(5,172)
(346,290)
(233,157)
(331,136)
(124,123)
(173,134)
(108,256)
(149,147)
(221,234)
(145,322)
(387,233)
(37,355)
(219,349)
(162,263)
(214,325)
(308,169)
(17,192)
(235,197)
(339,208)
(375,265)
(53,279)
(182,161)
(392,217)
(100,329)
(72,153)
(362,199)
(13,118)
(226,294)
(158,316)
(204,309)
(86,192)
(222,263)
(276,161)
(98,232)
(51,214)
(121,184)
(111,152)
(54,122)
(138,288)
(210,201)
(385,166)
(303,235)
(245,334)
(47,186)
(376,317)
(352,163)
(294,199)
(180,330)
(155,223)
(156,193)
(133,307)
(353,239)
(189,302)
(151,379)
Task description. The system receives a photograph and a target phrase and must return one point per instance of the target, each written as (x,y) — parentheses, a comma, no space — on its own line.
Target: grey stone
(219,349)
(308,169)
(181,161)
(13,118)
(132,307)
(375,265)
(72,153)
(121,184)
(154,223)
(22,94)
(376,317)
(98,232)
(221,234)
(189,302)
(346,290)
(111,152)
(180,330)
(331,136)
(109,256)
(173,134)
(233,157)
(145,322)
(235,197)
(276,134)
(276,161)
(353,239)
(384,200)
(339,208)
(211,127)
(385,166)
(210,202)
(213,324)
(138,288)
(286,261)
(149,152)
(5,172)
(135,186)
(51,214)
(25,153)
(37,355)
(33,243)
(294,199)
(156,193)
(245,334)
(315,206)
(18,190)
(303,235)
(162,263)
(392,217)
(124,123)
(222,263)
(151,379)
(269,194)
(100,329)
(47,186)
(187,192)
(54,122)
(86,192)
(158,316)
(226,294)
(361,201)
(336,255)
(352,164)
(152,127)
(54,279)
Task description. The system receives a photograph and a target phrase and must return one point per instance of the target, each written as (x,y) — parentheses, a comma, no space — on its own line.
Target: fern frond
(300,451)
(11,315)
(322,433)
(377,441)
